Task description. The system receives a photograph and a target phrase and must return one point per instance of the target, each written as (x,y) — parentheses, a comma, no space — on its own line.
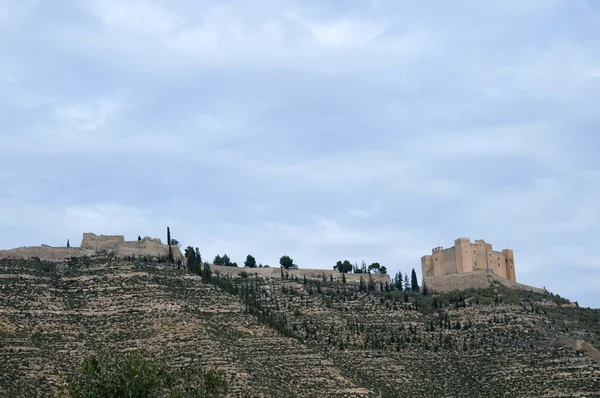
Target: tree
(250,262)
(68,243)
(382,270)
(344,278)
(218,260)
(414,281)
(226,260)
(286,262)
(362,286)
(190,257)
(198,256)
(139,238)
(406,283)
(374,268)
(171,257)
(343,267)
(398,280)
(425,290)
(206,273)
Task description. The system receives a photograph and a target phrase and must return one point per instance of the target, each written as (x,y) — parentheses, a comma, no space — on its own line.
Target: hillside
(291,338)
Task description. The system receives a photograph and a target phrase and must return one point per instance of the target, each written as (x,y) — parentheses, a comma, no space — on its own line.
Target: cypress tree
(414,282)
(68,243)
(171,258)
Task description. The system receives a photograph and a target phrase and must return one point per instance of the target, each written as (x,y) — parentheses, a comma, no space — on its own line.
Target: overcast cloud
(361,130)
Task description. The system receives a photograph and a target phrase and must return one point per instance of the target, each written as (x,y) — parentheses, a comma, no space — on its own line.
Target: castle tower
(464,255)
(437,259)
(509,256)
(426,266)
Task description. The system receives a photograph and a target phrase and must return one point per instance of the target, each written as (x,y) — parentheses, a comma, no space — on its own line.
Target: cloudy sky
(325,130)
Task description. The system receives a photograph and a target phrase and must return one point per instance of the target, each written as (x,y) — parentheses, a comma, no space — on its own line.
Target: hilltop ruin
(93,245)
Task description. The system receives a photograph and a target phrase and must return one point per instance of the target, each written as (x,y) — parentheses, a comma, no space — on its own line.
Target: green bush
(134,375)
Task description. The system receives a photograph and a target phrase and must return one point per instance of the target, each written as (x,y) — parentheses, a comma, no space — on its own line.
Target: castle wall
(473,280)
(101,242)
(449,265)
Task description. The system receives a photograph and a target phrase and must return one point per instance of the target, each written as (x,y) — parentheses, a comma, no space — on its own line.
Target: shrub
(135,375)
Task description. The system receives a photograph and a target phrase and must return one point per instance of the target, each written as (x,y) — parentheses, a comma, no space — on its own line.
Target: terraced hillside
(290,337)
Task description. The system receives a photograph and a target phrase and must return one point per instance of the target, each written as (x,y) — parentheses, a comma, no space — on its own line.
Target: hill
(292,337)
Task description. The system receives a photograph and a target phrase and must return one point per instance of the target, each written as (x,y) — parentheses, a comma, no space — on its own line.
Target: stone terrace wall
(300,273)
(472,280)
(579,345)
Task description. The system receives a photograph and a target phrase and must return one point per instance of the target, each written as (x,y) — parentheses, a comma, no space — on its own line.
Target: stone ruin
(93,245)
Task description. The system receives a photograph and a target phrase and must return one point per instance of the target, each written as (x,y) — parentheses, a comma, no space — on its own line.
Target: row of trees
(347,267)
(405,284)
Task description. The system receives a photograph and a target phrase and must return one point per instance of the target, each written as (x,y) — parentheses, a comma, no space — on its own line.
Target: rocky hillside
(291,337)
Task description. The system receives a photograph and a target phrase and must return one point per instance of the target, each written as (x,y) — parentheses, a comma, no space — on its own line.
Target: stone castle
(94,245)
(465,257)
(470,266)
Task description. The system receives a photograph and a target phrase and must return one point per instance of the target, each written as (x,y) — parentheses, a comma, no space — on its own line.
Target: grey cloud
(360,130)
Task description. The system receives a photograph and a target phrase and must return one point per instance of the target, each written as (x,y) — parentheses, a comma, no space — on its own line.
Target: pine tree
(399,280)
(226,260)
(414,283)
(250,261)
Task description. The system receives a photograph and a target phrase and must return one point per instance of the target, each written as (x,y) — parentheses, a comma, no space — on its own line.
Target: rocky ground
(290,338)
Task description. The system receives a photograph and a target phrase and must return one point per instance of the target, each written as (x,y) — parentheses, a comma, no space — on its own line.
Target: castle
(93,245)
(468,257)
(470,266)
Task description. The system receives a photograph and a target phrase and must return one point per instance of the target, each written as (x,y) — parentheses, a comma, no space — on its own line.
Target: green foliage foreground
(134,375)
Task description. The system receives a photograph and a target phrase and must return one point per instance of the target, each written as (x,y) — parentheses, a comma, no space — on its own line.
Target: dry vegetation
(290,338)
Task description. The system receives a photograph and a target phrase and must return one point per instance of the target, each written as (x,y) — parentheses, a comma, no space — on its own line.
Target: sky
(324,130)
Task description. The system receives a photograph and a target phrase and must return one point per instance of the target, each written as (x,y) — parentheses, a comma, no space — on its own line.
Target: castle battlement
(466,257)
